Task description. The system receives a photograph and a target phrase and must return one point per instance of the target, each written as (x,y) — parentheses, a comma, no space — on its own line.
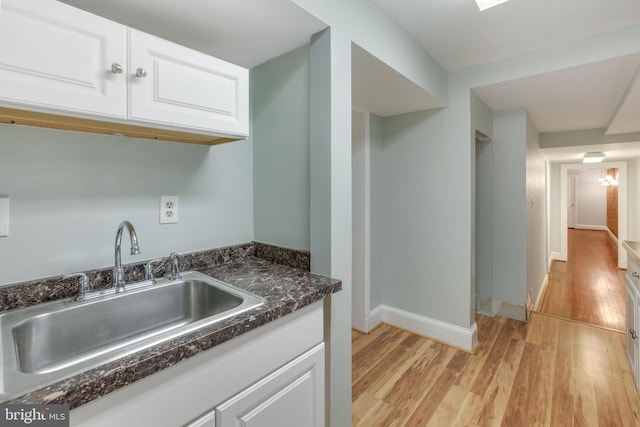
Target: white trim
(457,336)
(556,256)
(543,288)
(361,303)
(367,213)
(613,238)
(591,227)
(374,318)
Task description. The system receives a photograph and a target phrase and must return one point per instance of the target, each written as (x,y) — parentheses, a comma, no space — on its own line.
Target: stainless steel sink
(48,342)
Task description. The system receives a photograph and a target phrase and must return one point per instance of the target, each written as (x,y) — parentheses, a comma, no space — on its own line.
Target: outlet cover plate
(168,209)
(4,217)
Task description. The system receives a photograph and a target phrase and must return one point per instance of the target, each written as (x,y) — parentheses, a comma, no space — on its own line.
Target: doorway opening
(587,285)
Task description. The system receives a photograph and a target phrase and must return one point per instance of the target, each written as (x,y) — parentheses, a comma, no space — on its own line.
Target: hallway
(589,287)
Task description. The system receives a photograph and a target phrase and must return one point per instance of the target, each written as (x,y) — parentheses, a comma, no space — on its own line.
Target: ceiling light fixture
(608,180)
(486,4)
(593,157)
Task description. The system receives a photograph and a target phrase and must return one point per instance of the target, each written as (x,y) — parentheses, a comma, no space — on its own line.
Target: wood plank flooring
(549,372)
(589,287)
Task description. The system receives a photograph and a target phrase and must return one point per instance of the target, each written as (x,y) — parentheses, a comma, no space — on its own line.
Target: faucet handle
(175,267)
(85,284)
(148,269)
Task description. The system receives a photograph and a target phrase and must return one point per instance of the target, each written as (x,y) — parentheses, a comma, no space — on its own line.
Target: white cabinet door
(635,353)
(207,420)
(632,328)
(183,87)
(292,396)
(56,57)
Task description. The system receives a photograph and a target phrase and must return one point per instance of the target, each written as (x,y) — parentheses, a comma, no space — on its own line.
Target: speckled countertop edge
(285,289)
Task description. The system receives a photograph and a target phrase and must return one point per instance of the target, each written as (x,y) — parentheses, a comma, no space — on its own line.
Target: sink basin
(51,341)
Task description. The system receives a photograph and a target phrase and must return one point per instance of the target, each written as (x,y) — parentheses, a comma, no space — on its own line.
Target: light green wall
(280,97)
(70,190)
(415,220)
(331,204)
(484,220)
(358,21)
(482,202)
(376,139)
(553,189)
(435,144)
(536,201)
(481,116)
(509,206)
(371,29)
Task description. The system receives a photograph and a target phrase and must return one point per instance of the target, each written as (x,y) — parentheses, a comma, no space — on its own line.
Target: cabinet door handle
(634,334)
(636,275)
(141,72)
(116,68)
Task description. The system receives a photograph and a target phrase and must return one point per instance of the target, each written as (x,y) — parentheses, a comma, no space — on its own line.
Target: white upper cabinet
(170,84)
(54,57)
(60,60)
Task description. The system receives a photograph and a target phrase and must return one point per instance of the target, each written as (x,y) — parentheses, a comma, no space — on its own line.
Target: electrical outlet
(168,209)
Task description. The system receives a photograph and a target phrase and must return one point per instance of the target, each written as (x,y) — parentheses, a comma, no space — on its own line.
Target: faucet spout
(118,271)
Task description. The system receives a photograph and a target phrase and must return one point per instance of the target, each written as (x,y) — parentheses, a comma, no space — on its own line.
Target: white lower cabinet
(632,337)
(289,397)
(633,318)
(292,396)
(207,420)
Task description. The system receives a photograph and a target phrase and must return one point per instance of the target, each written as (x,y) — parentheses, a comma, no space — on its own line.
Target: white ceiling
(458,35)
(244,32)
(583,97)
(599,95)
(379,89)
(614,152)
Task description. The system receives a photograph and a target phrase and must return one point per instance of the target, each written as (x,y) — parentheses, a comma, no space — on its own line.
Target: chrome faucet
(118,271)
(175,267)
(83,281)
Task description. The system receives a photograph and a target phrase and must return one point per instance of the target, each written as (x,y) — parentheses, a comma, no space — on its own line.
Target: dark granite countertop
(284,288)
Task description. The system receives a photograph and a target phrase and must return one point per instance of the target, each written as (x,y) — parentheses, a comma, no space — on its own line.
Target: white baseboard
(375,318)
(543,288)
(447,333)
(613,238)
(591,227)
(556,256)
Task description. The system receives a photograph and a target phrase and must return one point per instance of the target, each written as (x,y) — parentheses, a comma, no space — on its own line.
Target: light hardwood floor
(589,287)
(549,372)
